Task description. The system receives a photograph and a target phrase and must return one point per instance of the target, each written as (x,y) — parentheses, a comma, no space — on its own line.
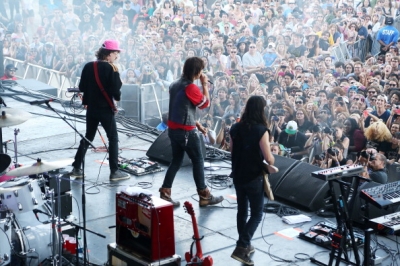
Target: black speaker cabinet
(52,181)
(161,150)
(66,205)
(285,165)
(300,188)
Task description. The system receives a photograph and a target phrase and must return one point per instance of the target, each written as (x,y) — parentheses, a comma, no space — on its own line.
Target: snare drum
(21,194)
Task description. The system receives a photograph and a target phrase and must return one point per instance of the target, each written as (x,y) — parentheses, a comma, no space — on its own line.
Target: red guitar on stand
(196,259)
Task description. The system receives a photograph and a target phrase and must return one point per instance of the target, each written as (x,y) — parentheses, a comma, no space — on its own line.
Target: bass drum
(32,238)
(5,238)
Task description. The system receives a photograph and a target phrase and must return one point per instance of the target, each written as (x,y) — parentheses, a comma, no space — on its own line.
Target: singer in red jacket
(184,98)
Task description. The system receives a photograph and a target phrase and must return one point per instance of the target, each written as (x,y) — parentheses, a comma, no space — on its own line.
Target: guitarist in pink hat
(101,85)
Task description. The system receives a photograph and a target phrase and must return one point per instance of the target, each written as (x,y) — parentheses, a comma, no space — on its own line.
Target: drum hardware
(83,179)
(11,117)
(40,167)
(16,131)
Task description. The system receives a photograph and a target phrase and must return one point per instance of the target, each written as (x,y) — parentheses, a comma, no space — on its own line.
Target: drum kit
(24,238)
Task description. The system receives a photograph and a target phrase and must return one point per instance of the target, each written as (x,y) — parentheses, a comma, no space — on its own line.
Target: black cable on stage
(218,182)
(280,209)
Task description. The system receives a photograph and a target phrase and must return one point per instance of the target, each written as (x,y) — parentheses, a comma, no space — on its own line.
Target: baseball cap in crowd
(111,45)
(49,44)
(389,21)
(11,67)
(299,65)
(271,44)
(291,128)
(195,40)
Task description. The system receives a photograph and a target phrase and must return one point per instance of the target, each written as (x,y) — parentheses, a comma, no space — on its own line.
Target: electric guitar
(197,258)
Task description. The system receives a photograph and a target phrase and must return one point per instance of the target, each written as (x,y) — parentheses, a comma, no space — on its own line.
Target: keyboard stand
(343,204)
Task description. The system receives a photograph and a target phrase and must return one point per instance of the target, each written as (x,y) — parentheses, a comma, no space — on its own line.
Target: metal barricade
(340,52)
(154,102)
(51,77)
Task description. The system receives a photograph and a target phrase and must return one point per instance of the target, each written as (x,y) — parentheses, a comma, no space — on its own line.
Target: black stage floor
(47,137)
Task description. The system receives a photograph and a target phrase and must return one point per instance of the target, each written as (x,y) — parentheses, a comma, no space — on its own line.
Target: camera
(367,155)
(328,130)
(275,118)
(228,121)
(333,151)
(280,112)
(320,157)
(204,125)
(148,69)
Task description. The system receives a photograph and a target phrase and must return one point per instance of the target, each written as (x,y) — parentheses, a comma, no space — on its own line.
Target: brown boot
(165,194)
(206,198)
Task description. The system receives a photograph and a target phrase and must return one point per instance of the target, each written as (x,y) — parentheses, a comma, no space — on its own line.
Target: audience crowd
(322,109)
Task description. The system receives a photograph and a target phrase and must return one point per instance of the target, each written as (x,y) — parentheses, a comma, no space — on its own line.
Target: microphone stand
(77,227)
(83,179)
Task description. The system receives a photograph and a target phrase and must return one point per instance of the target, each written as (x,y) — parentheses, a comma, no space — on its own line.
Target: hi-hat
(40,167)
(11,117)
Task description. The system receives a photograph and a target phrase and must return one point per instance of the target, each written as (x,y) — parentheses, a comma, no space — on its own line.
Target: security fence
(144,103)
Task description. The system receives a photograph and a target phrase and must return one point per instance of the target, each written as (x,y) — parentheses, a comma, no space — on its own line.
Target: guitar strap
(96,75)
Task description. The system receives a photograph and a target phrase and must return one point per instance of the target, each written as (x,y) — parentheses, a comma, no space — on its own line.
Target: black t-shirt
(223,104)
(305,126)
(295,142)
(392,153)
(379,176)
(296,51)
(247,157)
(324,45)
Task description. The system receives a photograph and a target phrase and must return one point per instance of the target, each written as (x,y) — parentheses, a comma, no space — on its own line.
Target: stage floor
(47,137)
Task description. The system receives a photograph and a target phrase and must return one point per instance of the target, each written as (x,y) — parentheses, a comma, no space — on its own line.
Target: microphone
(46,101)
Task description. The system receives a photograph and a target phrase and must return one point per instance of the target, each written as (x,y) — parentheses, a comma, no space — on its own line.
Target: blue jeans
(106,117)
(253,193)
(192,147)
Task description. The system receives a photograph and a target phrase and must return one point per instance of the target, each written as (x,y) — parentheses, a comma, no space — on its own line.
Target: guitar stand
(343,207)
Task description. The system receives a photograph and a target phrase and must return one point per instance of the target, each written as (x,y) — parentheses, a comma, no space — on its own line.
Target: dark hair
(397,93)
(192,67)
(254,111)
(353,124)
(322,91)
(102,53)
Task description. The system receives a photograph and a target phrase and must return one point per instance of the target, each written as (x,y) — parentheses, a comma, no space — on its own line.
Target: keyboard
(382,196)
(388,224)
(338,172)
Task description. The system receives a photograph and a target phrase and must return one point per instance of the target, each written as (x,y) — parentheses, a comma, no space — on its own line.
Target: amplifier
(119,257)
(145,226)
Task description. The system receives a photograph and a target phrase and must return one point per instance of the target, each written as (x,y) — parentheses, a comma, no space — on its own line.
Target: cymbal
(12,117)
(40,167)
